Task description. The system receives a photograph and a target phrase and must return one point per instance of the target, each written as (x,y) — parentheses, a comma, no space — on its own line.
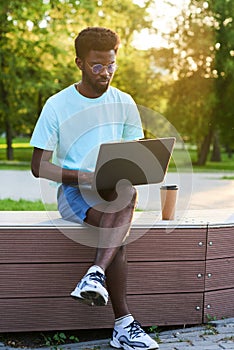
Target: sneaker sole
(83,301)
(113,345)
(93,298)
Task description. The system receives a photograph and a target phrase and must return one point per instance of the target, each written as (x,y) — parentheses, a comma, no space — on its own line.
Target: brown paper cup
(168,201)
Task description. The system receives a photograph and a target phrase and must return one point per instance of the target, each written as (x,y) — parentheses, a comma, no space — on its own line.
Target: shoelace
(134,329)
(97,276)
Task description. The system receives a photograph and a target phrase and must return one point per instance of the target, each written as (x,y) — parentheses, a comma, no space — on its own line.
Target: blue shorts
(74,204)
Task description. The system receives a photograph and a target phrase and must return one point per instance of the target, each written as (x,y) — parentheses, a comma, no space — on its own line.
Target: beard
(96,85)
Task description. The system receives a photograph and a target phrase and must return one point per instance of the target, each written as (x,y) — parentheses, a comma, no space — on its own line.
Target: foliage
(57,339)
(37,54)
(201,61)
(224,68)
(156,333)
(210,328)
(25,76)
(191,81)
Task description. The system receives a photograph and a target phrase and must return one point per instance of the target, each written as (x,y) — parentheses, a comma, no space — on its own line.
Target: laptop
(140,162)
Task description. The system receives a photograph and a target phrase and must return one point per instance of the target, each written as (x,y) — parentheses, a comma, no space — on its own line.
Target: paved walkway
(217,335)
(196,190)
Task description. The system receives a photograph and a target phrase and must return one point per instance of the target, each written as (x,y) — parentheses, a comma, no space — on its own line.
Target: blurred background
(176,60)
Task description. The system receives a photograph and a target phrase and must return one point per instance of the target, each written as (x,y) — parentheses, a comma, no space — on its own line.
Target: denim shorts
(73,204)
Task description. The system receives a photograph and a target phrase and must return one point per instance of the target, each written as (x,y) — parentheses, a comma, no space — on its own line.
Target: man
(71,127)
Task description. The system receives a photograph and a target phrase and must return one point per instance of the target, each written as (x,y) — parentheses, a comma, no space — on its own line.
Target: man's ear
(79,63)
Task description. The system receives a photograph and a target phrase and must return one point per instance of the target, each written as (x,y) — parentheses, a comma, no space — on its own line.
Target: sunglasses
(98,68)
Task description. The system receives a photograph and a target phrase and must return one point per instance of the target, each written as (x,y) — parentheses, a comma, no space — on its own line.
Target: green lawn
(227,164)
(13,205)
(22,155)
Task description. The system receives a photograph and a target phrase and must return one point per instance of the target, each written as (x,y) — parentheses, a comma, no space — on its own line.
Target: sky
(162,14)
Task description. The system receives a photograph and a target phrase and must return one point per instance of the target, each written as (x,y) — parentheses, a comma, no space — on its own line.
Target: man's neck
(87,91)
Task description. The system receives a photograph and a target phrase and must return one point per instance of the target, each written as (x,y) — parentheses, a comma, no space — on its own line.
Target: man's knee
(124,198)
(127,199)
(127,196)
(132,195)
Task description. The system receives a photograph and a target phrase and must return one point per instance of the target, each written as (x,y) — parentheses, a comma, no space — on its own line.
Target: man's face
(97,82)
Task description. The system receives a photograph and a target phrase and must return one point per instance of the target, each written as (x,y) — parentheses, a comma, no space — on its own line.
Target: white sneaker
(90,290)
(132,337)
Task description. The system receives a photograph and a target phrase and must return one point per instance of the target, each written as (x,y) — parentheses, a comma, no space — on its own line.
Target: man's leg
(116,282)
(115,225)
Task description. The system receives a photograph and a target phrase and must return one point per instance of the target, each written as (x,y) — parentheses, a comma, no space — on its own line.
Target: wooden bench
(179,272)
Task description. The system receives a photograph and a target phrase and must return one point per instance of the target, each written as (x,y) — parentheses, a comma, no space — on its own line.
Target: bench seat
(180,272)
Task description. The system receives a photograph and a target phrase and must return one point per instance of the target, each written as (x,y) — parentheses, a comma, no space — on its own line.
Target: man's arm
(41,166)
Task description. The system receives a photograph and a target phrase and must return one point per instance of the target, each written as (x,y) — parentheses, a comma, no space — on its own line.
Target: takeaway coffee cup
(168,195)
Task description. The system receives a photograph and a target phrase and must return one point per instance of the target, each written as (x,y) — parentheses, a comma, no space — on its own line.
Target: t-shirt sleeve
(133,127)
(45,134)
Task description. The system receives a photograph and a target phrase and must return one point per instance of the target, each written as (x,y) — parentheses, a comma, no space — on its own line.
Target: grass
(25,205)
(22,155)
(14,165)
(227,164)
(182,158)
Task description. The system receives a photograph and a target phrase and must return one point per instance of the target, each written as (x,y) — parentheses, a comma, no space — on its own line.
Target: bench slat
(52,245)
(58,280)
(35,314)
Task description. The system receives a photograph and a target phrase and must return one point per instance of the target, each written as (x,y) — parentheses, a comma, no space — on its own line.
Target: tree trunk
(8,127)
(205,148)
(9,138)
(228,151)
(216,153)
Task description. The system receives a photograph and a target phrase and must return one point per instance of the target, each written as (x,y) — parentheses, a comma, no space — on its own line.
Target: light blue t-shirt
(73,126)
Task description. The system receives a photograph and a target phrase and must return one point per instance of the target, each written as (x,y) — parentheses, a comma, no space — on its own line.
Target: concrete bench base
(180,272)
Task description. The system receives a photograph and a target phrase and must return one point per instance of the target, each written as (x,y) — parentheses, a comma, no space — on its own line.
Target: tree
(223,12)
(196,98)
(22,47)
(37,52)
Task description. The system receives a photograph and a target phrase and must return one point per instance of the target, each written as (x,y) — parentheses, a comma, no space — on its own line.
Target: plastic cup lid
(169,187)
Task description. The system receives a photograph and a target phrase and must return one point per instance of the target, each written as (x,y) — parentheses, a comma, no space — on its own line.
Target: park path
(196,190)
